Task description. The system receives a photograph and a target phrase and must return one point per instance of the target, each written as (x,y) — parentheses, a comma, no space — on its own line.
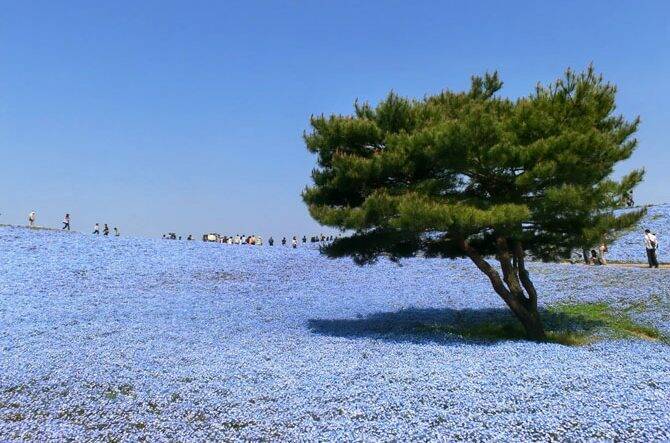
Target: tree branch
(509,272)
(486,268)
(519,253)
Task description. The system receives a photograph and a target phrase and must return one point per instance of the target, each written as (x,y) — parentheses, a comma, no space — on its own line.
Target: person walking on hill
(31,219)
(294,242)
(96,229)
(602,250)
(105,230)
(283,241)
(651,245)
(116,232)
(271,241)
(66,222)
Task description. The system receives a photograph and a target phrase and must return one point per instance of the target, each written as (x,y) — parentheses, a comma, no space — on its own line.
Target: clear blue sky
(187,116)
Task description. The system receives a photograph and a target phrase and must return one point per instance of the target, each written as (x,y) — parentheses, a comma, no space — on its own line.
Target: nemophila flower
(106,338)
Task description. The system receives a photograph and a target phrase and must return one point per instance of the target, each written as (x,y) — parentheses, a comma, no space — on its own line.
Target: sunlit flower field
(125,338)
(629,247)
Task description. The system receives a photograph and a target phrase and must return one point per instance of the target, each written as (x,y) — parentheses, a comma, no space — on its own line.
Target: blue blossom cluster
(630,246)
(126,339)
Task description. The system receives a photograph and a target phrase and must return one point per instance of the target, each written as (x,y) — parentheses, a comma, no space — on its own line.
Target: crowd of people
(105,230)
(295,241)
(594,256)
(32,218)
(252,240)
(173,236)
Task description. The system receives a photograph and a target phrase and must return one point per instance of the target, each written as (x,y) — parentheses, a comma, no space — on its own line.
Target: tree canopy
(472,174)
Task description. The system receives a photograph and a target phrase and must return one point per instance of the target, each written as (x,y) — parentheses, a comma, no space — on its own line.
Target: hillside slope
(126,339)
(630,246)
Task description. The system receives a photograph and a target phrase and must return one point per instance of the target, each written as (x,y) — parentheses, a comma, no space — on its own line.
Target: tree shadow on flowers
(567,325)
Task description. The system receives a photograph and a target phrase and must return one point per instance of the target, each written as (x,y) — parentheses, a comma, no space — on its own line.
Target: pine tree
(474,175)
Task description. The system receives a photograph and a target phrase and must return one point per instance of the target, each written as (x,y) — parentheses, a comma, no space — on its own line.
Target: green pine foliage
(473,174)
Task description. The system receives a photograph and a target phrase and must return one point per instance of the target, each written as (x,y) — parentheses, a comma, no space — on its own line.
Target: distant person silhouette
(116,232)
(602,250)
(96,229)
(283,241)
(271,241)
(628,199)
(105,230)
(31,219)
(294,242)
(66,222)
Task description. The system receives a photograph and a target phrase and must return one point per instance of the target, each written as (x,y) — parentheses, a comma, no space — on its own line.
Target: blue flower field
(628,247)
(120,339)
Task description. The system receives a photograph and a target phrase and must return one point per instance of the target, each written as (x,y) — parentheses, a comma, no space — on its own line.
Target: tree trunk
(534,327)
(530,319)
(512,285)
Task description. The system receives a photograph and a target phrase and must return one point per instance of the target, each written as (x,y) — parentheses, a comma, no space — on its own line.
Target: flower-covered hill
(630,247)
(124,338)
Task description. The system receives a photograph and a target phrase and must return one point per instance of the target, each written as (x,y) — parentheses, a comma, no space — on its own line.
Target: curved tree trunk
(514,287)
